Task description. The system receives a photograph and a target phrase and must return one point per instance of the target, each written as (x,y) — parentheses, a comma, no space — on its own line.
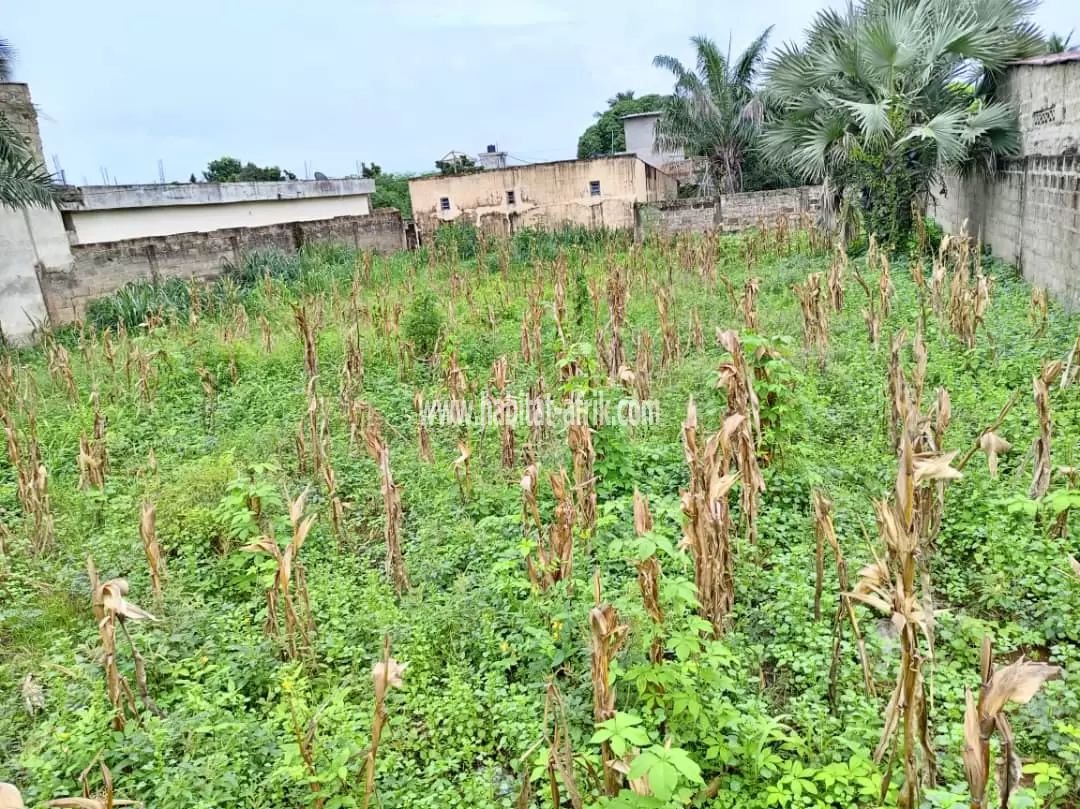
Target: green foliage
(24,180)
(877,99)
(457,164)
(392,191)
(607,135)
(457,238)
(231,170)
(740,722)
(423,323)
(715,112)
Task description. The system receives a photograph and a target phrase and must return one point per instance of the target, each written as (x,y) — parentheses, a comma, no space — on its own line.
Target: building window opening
(510,198)
(444,203)
(594,188)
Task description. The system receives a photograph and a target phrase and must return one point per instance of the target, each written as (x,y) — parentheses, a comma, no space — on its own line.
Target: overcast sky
(124,83)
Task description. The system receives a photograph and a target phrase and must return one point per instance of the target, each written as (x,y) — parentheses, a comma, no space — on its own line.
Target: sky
(320,85)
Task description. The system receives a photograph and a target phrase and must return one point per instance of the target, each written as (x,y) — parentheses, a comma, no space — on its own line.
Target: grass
(204,398)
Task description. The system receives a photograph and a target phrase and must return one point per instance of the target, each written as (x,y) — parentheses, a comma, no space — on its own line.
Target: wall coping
(489,172)
(383,213)
(711,201)
(112,197)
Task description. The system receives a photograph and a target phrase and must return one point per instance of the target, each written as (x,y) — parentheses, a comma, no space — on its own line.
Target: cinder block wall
(726,212)
(1029,214)
(102,268)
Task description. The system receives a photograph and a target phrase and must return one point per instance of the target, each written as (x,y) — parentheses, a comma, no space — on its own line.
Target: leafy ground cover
(647,628)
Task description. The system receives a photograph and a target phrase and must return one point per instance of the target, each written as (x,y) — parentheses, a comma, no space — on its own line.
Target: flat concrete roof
(616,156)
(641,115)
(109,197)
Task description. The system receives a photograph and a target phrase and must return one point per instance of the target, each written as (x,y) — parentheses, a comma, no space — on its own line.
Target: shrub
(423,322)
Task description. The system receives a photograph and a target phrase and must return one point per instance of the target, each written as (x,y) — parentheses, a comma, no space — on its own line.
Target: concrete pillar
(33,242)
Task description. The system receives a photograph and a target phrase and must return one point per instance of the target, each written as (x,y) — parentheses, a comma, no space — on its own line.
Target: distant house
(600,192)
(640,132)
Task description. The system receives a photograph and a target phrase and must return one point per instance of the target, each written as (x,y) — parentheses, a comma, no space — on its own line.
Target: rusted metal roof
(1050,59)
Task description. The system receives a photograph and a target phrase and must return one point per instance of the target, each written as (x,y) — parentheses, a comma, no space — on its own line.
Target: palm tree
(886,97)
(24,181)
(1056,43)
(714,111)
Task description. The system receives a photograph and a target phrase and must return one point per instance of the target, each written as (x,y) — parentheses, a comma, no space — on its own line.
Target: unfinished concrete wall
(108,214)
(544,195)
(727,212)
(31,241)
(102,268)
(1029,214)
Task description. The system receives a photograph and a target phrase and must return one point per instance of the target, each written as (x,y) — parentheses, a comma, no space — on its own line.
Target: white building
(640,130)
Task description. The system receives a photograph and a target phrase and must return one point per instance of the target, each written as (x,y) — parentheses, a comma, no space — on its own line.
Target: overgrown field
(649,612)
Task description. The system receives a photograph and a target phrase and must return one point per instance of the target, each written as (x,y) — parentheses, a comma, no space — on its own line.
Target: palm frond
(24,180)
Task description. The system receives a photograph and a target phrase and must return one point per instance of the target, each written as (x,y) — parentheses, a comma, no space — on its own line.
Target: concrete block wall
(102,268)
(32,241)
(1028,214)
(727,212)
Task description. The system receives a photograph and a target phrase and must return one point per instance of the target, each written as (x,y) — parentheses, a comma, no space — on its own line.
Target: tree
(231,170)
(392,191)
(715,111)
(24,180)
(606,135)
(457,163)
(1056,43)
(885,97)
(370,172)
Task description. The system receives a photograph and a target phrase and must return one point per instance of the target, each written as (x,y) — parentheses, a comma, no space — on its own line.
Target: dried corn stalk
(560,758)
(307,337)
(1040,480)
(618,293)
(815,315)
(581,448)
(112,610)
(107,801)
(94,455)
(735,377)
(707,533)
(395,560)
(503,411)
(461,469)
(423,439)
(554,560)
(836,276)
(385,674)
(697,336)
(337,508)
(607,636)
(1039,309)
(60,370)
(642,365)
(289,588)
(749,303)
(665,308)
(826,533)
(155,559)
(870,314)
(1018,682)
(648,576)
(889,586)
